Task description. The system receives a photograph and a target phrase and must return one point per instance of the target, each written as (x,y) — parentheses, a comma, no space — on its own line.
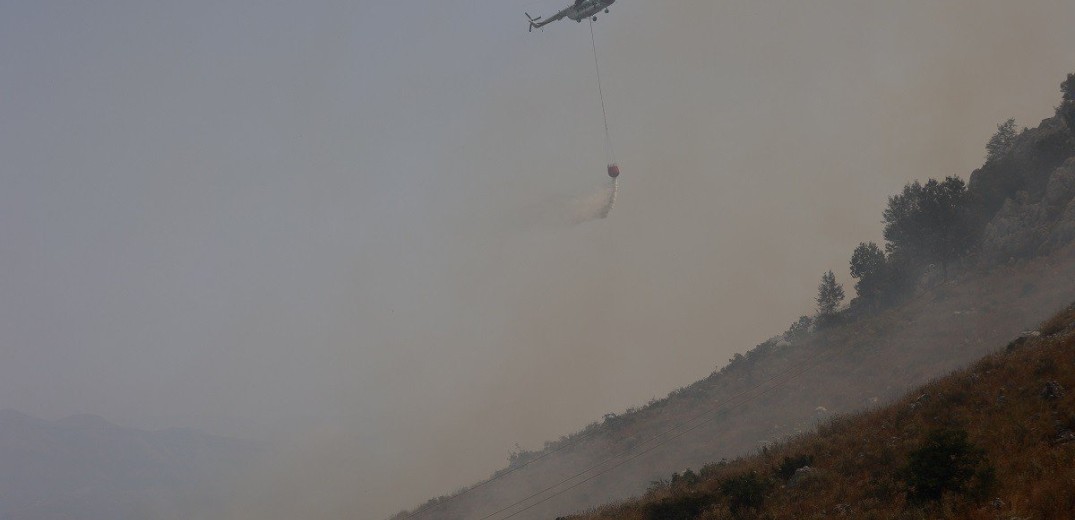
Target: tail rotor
(533,22)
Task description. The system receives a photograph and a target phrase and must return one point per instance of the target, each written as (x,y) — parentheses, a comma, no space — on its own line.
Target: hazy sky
(342,220)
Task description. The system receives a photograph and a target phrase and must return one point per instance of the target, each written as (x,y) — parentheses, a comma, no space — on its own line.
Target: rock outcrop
(1026,226)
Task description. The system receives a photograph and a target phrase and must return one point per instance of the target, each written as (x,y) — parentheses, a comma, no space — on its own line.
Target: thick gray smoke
(315,223)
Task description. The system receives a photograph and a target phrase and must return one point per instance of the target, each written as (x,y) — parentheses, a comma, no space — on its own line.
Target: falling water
(596,206)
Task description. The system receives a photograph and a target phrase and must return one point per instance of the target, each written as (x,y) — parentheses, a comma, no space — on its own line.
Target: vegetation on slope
(992,441)
(963,266)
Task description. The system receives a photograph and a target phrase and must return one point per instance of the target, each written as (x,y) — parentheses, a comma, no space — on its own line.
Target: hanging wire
(601,92)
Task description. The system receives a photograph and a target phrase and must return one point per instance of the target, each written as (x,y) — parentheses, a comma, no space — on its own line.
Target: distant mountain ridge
(88,468)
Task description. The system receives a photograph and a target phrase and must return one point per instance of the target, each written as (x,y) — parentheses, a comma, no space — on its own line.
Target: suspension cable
(601,92)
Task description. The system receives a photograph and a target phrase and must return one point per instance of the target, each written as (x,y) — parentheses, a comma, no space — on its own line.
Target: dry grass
(854,366)
(1059,322)
(860,461)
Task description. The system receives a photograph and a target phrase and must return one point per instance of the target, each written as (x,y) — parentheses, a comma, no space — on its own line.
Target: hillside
(991,441)
(1007,264)
(780,389)
(87,468)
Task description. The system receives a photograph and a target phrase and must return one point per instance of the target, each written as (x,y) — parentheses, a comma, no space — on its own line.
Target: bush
(829,296)
(1002,141)
(945,463)
(682,507)
(688,479)
(711,470)
(656,486)
(800,328)
(744,493)
(520,457)
(1066,110)
(1058,322)
(790,465)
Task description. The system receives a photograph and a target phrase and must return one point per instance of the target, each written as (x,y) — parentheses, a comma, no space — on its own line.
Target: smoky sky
(340,225)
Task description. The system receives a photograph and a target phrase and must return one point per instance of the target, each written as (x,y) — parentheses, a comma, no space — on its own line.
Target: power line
(704,416)
(780,379)
(502,475)
(790,373)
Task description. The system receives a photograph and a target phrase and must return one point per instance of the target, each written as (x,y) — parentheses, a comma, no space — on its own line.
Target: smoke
(775,132)
(350,226)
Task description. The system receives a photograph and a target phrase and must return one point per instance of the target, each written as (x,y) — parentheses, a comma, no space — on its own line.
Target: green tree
(929,223)
(829,296)
(800,328)
(1067,88)
(868,267)
(1002,141)
(1066,110)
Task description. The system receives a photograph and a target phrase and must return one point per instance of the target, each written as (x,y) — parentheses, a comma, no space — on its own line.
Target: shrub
(800,328)
(709,471)
(789,465)
(1002,141)
(745,492)
(681,507)
(945,463)
(688,478)
(1066,110)
(1058,322)
(656,486)
(520,457)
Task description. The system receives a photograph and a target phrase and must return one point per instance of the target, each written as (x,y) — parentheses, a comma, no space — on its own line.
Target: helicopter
(579,11)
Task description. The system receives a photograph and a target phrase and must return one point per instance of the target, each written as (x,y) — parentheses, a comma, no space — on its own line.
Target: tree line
(928,229)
